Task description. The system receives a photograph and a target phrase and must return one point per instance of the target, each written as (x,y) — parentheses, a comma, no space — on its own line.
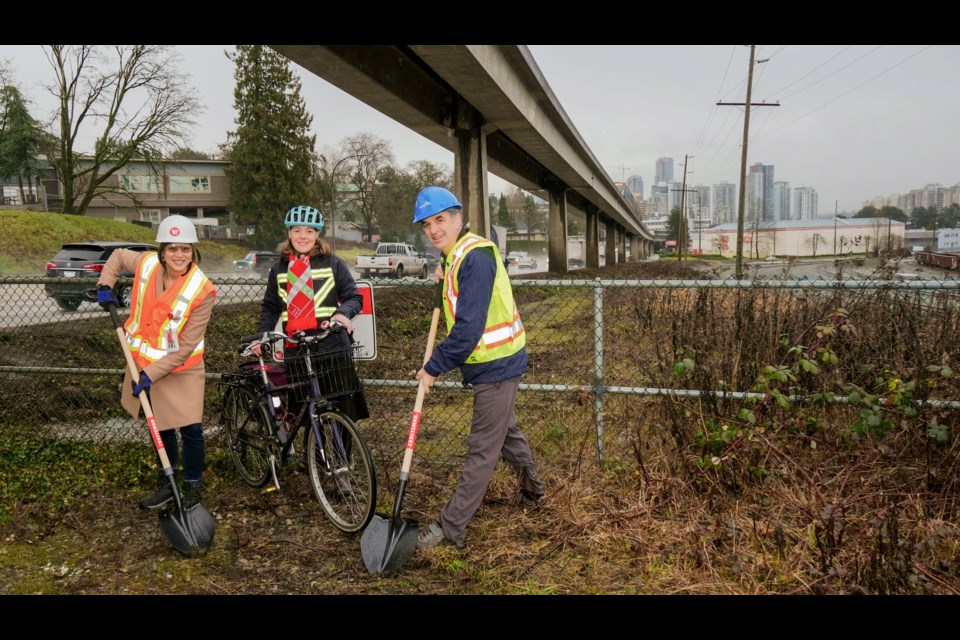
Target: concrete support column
(622,244)
(611,243)
(593,238)
(635,250)
(470,178)
(557,231)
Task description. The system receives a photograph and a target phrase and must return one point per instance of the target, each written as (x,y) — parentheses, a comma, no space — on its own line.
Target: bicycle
(260,430)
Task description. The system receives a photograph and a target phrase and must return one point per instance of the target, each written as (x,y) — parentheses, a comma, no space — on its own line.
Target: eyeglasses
(178,248)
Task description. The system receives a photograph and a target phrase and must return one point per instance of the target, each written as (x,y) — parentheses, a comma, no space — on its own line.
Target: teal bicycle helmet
(304,215)
(433,200)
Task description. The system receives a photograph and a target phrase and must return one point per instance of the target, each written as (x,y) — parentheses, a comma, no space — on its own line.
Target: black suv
(84,261)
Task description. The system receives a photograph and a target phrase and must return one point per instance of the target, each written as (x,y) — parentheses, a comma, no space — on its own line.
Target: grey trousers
(493,432)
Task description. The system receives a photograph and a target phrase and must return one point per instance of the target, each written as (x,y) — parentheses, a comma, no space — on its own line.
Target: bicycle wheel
(246,420)
(341,471)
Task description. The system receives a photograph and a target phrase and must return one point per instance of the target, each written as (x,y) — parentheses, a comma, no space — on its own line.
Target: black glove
(143,385)
(105,297)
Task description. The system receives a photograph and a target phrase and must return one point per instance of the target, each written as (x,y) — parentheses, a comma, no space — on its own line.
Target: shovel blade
(190,531)
(387,543)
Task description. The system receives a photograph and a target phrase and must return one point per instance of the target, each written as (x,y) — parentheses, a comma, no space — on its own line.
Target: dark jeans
(193,450)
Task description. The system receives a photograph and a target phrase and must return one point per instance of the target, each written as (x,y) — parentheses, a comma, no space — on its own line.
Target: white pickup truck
(396,259)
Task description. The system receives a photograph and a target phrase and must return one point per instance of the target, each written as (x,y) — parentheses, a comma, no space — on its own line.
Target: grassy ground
(696,495)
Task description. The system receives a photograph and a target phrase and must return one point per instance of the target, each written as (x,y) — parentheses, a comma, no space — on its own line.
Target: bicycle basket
(335,370)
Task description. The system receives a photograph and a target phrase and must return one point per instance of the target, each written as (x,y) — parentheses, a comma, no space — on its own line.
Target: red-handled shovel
(386,543)
(190,531)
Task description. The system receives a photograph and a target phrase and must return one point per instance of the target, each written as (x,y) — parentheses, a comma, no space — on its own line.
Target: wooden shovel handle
(144,399)
(415,418)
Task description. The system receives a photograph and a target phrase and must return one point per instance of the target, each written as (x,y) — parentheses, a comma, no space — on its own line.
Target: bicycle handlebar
(297,338)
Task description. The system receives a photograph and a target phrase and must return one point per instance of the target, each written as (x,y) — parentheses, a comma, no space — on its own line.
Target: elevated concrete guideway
(491,107)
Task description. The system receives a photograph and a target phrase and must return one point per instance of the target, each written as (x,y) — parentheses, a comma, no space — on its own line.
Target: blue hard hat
(304,215)
(433,200)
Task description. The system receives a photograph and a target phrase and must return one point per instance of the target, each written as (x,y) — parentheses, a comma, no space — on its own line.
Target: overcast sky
(853,121)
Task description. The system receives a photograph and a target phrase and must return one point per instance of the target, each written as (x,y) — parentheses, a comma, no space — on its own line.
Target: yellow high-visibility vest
(503,334)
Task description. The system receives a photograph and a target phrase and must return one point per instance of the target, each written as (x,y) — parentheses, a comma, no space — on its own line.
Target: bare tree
(134,102)
(374,156)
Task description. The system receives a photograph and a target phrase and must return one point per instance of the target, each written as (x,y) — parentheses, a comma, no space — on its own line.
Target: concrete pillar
(593,238)
(611,243)
(470,179)
(622,244)
(635,250)
(557,231)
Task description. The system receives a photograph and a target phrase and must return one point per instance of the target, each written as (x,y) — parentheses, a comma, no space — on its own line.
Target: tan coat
(175,398)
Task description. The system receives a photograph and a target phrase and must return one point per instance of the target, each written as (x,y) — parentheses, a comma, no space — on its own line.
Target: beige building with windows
(197,189)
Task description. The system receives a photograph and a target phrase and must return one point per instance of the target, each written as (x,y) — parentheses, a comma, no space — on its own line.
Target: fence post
(598,366)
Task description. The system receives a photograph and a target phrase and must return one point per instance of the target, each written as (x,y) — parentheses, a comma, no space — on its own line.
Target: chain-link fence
(615,365)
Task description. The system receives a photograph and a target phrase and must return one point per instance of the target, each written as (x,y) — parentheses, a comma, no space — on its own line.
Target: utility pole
(681,234)
(743,159)
(835,205)
(699,223)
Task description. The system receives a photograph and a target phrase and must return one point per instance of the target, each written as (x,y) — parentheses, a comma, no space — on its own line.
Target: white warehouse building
(802,238)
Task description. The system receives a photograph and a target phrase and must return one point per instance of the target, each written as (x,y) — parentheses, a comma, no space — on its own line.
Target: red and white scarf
(301,311)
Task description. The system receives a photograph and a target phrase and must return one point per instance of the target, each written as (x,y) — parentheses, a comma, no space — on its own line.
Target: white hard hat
(176,228)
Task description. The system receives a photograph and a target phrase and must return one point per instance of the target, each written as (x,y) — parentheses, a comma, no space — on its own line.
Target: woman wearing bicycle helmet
(307,286)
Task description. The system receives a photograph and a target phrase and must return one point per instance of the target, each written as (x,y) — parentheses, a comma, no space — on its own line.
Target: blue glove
(105,297)
(143,385)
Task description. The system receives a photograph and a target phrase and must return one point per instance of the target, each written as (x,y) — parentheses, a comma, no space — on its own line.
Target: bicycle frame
(269,391)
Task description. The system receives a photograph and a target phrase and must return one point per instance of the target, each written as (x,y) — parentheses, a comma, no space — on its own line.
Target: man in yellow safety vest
(486,340)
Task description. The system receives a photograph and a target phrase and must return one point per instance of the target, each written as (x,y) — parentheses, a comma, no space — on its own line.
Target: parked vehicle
(521,260)
(84,261)
(395,259)
(258,261)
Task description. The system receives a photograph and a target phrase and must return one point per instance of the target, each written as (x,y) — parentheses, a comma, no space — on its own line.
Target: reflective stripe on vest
(503,334)
(193,287)
(323,276)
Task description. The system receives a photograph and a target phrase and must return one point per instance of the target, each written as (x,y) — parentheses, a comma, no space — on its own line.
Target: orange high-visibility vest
(155,319)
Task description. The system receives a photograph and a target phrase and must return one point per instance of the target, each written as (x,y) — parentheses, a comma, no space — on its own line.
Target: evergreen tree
(271,151)
(20,139)
(503,213)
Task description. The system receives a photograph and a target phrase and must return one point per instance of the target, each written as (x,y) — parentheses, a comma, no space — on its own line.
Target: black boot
(162,497)
(191,493)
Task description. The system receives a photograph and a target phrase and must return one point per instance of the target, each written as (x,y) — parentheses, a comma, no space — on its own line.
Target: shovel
(190,531)
(386,543)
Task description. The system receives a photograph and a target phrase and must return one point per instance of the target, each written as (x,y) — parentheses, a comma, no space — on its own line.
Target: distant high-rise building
(664,170)
(703,202)
(660,199)
(724,203)
(805,203)
(635,184)
(760,193)
(675,190)
(781,201)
